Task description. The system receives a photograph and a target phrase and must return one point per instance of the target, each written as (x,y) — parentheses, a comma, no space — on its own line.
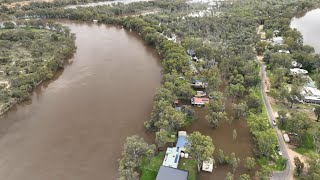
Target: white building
(277,41)
(298,71)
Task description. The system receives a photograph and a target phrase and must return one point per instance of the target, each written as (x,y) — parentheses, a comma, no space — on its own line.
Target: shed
(167,173)
(207,165)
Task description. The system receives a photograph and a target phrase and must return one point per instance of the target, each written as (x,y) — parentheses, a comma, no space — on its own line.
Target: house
(172,156)
(298,71)
(312,99)
(198,84)
(168,173)
(182,141)
(95,21)
(277,41)
(199,101)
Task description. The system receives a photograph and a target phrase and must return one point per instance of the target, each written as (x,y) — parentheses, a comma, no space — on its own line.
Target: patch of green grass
(189,165)
(150,167)
(308,146)
(278,165)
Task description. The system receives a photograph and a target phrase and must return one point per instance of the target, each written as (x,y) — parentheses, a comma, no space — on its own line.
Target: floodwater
(75,126)
(222,137)
(309,26)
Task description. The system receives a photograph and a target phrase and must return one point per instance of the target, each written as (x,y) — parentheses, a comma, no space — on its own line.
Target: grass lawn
(189,165)
(149,168)
(277,165)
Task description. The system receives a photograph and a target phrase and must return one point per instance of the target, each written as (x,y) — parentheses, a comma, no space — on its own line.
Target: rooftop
(167,173)
(172,157)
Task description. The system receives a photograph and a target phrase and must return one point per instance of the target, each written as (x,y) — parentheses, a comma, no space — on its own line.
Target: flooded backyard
(222,139)
(75,126)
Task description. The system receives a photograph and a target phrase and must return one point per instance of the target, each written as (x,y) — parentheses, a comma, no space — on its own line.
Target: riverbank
(30,55)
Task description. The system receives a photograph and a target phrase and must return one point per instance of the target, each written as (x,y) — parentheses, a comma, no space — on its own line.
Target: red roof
(200,100)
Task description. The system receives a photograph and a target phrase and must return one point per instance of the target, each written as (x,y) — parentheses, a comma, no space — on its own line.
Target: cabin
(167,173)
(199,101)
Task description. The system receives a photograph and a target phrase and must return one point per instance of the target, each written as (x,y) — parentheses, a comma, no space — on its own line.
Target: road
(287,173)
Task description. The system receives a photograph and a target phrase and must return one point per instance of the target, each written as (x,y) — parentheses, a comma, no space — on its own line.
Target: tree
(229,176)
(253,101)
(234,161)
(266,141)
(299,166)
(317,112)
(164,94)
(135,149)
(222,159)
(264,174)
(215,118)
(313,162)
(234,134)
(161,138)
(282,118)
(158,108)
(8,25)
(245,177)
(249,163)
(170,119)
(235,90)
(240,110)
(200,147)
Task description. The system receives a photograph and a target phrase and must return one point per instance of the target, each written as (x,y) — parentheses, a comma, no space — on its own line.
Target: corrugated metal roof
(167,173)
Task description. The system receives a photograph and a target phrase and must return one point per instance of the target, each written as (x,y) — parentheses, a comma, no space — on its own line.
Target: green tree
(234,134)
(135,149)
(249,163)
(229,176)
(240,110)
(161,138)
(317,112)
(215,118)
(245,177)
(266,141)
(170,119)
(234,161)
(201,148)
(299,166)
(313,162)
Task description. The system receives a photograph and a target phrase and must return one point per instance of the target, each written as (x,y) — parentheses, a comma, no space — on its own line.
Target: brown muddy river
(75,126)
